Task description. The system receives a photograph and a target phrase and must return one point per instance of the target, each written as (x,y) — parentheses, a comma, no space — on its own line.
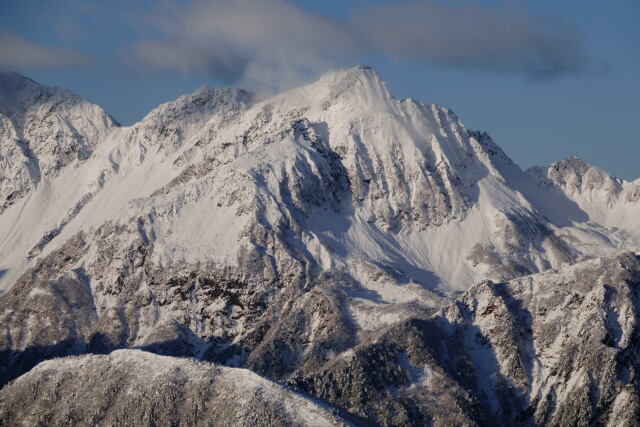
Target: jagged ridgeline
(370,259)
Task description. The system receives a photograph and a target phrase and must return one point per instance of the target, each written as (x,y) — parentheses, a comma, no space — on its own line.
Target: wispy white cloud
(17,52)
(265,44)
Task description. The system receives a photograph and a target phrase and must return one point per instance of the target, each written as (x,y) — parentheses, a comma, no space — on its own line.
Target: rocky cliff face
(555,348)
(312,237)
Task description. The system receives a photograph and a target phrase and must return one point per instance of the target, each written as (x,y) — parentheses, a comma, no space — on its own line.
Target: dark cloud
(17,52)
(465,34)
(185,58)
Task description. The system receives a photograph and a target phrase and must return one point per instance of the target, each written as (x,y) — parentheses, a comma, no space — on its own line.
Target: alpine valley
(330,255)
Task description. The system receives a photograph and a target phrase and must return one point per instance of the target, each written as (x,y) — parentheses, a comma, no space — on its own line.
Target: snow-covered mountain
(282,234)
(356,177)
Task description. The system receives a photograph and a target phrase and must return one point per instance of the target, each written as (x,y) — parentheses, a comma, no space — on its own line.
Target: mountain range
(343,255)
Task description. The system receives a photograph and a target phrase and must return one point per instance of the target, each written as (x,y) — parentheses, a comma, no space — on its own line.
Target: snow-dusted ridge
(144,388)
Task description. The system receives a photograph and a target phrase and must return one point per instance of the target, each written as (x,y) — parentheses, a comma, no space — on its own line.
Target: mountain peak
(18,93)
(576,169)
(361,85)
(172,122)
(359,70)
(42,130)
(13,78)
(201,100)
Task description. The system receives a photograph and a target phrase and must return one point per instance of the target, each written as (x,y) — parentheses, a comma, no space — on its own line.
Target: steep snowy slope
(131,387)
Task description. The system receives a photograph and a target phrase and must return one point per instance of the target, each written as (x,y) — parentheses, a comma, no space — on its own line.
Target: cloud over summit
(271,39)
(276,43)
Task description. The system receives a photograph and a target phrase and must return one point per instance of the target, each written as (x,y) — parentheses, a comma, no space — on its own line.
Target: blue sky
(547,79)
